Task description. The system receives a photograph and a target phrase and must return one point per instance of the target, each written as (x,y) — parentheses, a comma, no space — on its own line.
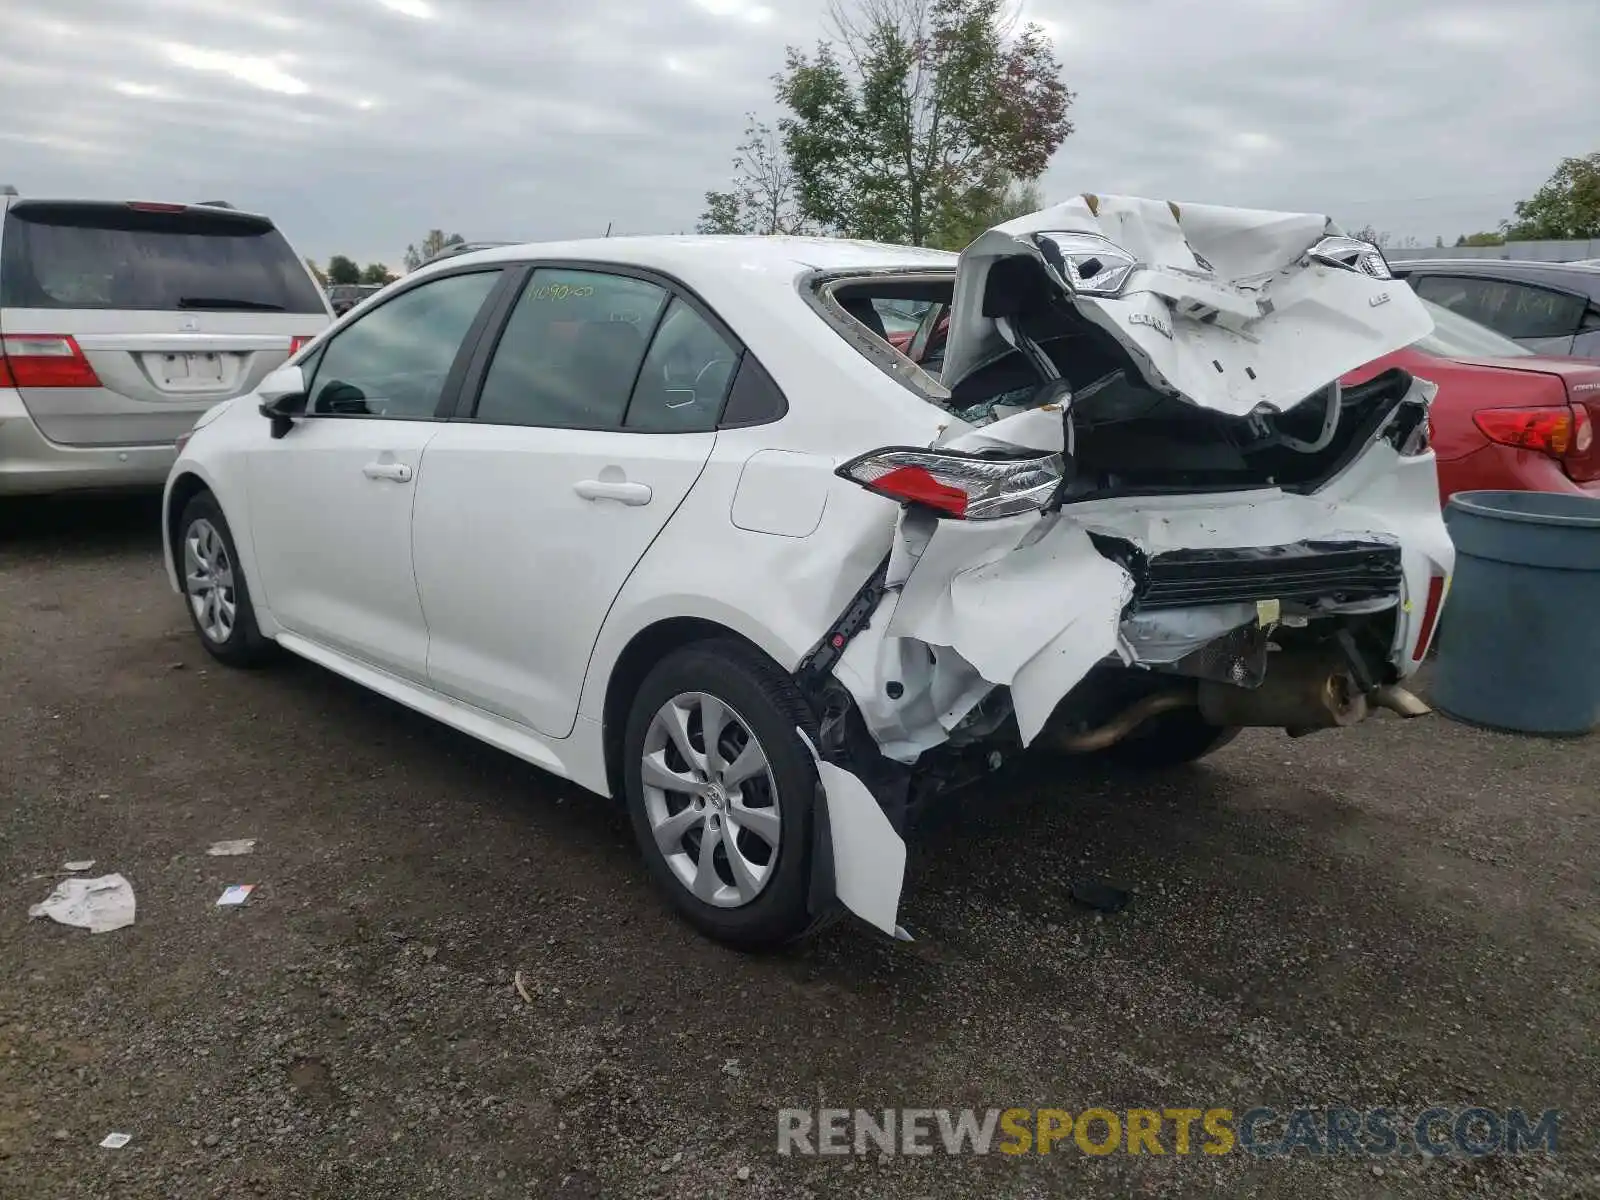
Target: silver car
(120,323)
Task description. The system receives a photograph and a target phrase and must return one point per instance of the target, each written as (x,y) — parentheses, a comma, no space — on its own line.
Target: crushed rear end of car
(1153,503)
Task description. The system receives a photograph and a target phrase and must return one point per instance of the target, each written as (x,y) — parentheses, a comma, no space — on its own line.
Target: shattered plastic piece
(115,1141)
(869,857)
(98,905)
(237,894)
(78,864)
(229,848)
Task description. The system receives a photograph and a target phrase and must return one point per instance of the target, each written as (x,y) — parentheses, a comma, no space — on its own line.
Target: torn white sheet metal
(1224,308)
(98,905)
(1042,428)
(869,857)
(1029,603)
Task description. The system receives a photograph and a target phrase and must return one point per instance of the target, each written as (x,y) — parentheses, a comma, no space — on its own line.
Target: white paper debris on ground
(237,894)
(98,905)
(78,864)
(116,1141)
(230,848)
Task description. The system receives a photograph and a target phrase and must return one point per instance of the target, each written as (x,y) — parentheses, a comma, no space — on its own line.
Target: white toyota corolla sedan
(774,538)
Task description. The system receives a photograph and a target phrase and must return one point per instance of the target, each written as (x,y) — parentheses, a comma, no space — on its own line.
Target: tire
(1170,739)
(765,904)
(204,549)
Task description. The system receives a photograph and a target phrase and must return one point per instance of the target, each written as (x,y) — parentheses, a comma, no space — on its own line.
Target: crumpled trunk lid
(1225,308)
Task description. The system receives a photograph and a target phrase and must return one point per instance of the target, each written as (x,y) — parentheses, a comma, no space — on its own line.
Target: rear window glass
(1454,336)
(114,257)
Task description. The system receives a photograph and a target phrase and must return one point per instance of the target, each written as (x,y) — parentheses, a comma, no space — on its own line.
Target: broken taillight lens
(965,487)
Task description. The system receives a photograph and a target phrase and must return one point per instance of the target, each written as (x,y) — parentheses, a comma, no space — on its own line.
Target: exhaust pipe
(1121,725)
(1399,701)
(1301,694)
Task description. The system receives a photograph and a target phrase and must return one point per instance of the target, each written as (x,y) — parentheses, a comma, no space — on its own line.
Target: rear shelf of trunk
(1130,439)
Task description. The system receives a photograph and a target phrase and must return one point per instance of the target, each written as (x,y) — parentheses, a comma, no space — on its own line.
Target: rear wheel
(720,790)
(1170,739)
(214,587)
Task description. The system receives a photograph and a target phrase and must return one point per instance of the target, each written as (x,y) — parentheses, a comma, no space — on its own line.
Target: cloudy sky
(360,124)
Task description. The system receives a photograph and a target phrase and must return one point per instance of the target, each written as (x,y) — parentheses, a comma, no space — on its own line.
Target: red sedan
(1505,419)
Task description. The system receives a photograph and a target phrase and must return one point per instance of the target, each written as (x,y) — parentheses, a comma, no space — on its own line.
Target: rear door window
(1517,310)
(571,351)
(685,376)
(113,256)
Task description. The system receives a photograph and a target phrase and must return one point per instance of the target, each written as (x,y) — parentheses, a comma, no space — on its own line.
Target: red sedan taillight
(44,360)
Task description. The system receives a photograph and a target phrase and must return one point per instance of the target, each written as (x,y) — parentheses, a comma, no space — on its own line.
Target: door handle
(398,472)
(623,493)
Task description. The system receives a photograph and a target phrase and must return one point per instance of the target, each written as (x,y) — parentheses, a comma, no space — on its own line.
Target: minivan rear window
(115,256)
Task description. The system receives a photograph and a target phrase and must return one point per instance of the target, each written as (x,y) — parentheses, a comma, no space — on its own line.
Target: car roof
(1584,276)
(692,256)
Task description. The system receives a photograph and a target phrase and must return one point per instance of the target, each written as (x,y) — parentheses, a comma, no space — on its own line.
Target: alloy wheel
(208,580)
(710,799)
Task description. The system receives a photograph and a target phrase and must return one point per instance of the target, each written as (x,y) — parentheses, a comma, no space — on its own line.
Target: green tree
(765,197)
(343,270)
(311,265)
(907,121)
(433,244)
(1481,239)
(1567,206)
(376,273)
(1010,199)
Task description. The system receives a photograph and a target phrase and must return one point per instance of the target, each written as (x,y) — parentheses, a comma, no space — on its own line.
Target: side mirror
(283,397)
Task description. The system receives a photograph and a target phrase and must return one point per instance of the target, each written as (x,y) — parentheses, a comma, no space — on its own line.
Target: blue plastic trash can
(1519,640)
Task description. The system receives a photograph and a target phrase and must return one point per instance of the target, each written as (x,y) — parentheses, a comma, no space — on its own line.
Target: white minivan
(122,322)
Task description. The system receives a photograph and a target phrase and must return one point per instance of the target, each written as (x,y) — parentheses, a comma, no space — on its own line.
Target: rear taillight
(1552,430)
(298,343)
(964,487)
(154,206)
(1430,617)
(45,360)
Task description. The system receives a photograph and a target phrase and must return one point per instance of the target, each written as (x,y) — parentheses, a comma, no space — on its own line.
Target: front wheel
(214,587)
(720,790)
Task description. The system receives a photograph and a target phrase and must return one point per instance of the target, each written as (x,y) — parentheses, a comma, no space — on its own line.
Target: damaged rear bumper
(1020,610)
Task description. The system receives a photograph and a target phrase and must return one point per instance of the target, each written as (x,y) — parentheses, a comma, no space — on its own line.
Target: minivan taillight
(298,343)
(45,360)
(965,487)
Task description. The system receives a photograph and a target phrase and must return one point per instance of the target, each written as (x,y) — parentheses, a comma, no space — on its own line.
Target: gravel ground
(1402,914)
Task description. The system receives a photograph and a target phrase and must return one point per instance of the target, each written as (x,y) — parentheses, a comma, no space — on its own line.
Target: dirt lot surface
(1404,914)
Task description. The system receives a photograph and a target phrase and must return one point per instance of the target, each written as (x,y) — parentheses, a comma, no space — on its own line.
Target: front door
(331,501)
(594,419)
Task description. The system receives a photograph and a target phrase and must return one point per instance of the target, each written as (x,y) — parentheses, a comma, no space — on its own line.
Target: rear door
(124,322)
(595,416)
